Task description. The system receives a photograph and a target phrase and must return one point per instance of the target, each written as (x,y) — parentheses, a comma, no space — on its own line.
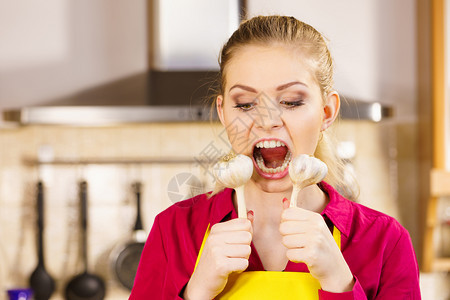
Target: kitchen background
(55,49)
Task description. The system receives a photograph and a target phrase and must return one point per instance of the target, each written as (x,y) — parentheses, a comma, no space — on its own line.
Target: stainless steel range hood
(115,115)
(168,96)
(182,73)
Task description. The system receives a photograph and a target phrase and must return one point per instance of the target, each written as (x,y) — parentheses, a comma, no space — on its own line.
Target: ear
(331,109)
(219,107)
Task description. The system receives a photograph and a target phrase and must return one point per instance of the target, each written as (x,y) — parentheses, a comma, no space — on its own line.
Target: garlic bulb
(234,171)
(305,170)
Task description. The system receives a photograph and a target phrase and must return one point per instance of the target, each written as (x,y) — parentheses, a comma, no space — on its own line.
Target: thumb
(250,216)
(285,203)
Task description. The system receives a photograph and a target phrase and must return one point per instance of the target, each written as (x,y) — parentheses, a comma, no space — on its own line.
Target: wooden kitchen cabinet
(433,127)
(439,187)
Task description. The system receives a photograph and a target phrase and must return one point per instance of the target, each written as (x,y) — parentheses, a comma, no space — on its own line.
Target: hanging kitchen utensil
(40,280)
(125,257)
(85,285)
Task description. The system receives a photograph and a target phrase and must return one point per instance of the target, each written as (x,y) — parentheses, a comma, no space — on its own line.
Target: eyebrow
(279,88)
(289,84)
(243,87)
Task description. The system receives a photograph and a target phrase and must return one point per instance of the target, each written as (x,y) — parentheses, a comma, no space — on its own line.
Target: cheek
(306,141)
(305,131)
(238,130)
(236,118)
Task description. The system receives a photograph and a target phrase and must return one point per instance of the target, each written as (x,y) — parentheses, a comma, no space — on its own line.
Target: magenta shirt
(377,249)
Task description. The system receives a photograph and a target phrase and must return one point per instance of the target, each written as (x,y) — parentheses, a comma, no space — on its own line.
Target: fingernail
(250,216)
(284,200)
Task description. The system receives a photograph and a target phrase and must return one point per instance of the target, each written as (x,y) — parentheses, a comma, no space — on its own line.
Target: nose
(267,114)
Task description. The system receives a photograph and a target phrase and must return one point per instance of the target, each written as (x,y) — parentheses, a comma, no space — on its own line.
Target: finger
(296,213)
(237,264)
(292,241)
(232,225)
(285,203)
(229,265)
(239,237)
(250,216)
(298,255)
(230,237)
(293,227)
(237,251)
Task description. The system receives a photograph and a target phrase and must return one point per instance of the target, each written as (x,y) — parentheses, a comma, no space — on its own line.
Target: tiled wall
(111,201)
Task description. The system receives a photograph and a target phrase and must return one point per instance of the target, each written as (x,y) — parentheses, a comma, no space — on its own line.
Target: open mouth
(271,158)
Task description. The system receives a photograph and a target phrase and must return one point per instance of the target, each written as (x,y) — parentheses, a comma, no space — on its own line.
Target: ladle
(85,285)
(41,282)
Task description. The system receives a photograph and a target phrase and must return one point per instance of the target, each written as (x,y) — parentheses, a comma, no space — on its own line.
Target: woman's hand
(308,239)
(226,250)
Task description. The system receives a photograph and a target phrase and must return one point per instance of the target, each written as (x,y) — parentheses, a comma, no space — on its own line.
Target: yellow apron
(270,284)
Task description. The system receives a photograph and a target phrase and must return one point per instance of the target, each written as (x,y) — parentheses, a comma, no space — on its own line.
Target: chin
(283,185)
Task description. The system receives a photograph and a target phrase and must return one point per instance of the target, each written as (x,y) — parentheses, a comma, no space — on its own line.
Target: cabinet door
(447,85)
(188,35)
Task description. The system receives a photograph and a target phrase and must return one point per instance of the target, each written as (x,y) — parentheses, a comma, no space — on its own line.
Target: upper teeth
(269,144)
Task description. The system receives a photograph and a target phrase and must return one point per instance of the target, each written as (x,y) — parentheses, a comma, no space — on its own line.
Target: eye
(244,106)
(291,104)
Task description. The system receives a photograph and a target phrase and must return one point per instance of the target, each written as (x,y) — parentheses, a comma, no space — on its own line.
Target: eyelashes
(244,106)
(292,104)
(287,104)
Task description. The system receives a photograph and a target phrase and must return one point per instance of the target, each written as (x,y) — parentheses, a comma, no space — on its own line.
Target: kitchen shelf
(114,161)
(439,187)
(440,183)
(441,264)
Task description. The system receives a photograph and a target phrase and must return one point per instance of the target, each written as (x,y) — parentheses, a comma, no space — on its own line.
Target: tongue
(274,157)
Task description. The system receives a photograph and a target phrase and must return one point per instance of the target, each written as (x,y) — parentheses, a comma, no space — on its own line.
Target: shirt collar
(338,210)
(222,206)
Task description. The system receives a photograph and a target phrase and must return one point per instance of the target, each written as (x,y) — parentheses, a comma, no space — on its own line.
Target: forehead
(265,67)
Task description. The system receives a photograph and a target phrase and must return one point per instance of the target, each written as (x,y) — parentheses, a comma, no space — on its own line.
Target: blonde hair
(288,31)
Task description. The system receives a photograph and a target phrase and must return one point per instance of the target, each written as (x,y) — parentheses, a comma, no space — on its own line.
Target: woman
(276,102)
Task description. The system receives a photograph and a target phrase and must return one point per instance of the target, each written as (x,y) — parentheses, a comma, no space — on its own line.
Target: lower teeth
(260,163)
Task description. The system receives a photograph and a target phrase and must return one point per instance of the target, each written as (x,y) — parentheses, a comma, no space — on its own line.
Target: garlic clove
(305,170)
